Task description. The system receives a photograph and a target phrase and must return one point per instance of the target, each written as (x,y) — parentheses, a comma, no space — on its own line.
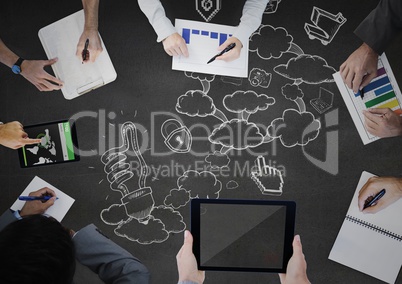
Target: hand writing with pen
(374,188)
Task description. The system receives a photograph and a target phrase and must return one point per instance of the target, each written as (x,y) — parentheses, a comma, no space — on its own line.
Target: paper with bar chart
(203,40)
(382,92)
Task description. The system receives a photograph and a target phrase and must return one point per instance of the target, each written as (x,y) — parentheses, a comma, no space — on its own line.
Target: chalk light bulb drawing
(140,202)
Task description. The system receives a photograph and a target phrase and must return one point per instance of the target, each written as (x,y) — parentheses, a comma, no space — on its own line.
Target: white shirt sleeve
(156,15)
(251,19)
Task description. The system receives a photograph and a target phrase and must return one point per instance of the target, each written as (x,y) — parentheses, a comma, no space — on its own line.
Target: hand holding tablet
(242,235)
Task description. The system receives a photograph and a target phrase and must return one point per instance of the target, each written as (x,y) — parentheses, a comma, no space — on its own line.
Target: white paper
(366,250)
(356,104)
(60,206)
(204,45)
(60,40)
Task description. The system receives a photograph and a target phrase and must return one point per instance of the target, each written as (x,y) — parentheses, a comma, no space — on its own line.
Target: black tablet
(242,235)
(58,144)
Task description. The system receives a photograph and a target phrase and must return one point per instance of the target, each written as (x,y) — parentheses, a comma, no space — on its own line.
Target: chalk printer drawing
(326,25)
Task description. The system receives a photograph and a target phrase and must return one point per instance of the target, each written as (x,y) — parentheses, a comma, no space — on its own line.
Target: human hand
(38,206)
(186,262)
(383,122)
(175,45)
(297,266)
(360,68)
(374,185)
(33,71)
(12,135)
(232,54)
(94,46)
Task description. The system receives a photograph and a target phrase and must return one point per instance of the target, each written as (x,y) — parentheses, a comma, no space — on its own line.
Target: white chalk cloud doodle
(325,25)
(268,179)
(205,79)
(232,184)
(136,217)
(177,136)
(259,78)
(217,160)
(270,42)
(193,184)
(305,68)
(208,8)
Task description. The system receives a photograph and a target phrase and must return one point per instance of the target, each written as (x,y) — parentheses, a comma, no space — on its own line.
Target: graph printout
(203,40)
(382,92)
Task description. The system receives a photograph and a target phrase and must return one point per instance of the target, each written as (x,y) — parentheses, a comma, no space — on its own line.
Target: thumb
(51,61)
(188,239)
(50,202)
(297,246)
(378,110)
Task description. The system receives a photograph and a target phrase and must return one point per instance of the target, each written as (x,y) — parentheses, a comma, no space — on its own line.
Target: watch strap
(19,62)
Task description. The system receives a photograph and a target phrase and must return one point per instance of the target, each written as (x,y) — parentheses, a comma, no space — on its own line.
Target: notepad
(60,40)
(371,243)
(382,92)
(202,40)
(60,207)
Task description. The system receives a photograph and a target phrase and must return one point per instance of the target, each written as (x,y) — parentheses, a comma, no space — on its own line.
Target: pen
(33,198)
(85,51)
(362,93)
(375,199)
(228,48)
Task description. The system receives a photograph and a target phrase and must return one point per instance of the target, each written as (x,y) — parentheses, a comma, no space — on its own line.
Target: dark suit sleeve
(112,263)
(381,25)
(6,218)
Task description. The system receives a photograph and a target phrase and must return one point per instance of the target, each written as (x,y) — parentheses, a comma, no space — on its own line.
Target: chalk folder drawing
(60,39)
(370,243)
(59,208)
(203,40)
(382,92)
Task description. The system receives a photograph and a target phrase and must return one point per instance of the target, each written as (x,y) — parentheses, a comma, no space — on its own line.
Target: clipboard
(60,39)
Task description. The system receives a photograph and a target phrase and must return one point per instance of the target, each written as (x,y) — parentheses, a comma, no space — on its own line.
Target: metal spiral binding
(374,228)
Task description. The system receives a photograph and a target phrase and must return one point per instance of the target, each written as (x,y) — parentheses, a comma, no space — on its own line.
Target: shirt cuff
(17,215)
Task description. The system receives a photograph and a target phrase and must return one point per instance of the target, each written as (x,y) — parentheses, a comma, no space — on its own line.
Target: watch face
(16,69)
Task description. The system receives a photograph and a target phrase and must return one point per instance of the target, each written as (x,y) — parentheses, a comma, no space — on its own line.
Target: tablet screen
(244,237)
(57,144)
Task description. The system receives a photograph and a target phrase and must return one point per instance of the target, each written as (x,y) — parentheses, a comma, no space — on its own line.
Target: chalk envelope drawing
(268,179)
(208,8)
(259,78)
(324,101)
(272,6)
(326,25)
(133,216)
(177,137)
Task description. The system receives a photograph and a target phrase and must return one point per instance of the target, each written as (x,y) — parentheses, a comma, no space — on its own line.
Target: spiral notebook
(371,243)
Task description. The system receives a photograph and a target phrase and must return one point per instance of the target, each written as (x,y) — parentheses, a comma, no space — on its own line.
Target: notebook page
(366,250)
(60,40)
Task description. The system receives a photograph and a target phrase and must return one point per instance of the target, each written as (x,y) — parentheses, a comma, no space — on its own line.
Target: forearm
(7,57)
(155,13)
(91,8)
(381,25)
(253,11)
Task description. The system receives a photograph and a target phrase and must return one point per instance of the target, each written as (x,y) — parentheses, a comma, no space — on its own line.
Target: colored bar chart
(186,34)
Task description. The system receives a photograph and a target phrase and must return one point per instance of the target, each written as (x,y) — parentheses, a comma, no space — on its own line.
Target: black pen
(85,51)
(228,48)
(362,93)
(375,199)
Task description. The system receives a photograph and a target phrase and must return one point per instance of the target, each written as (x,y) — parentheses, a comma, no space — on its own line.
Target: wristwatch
(17,66)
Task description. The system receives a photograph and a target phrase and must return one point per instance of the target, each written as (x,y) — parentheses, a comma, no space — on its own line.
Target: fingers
(175,45)
(367,79)
(380,111)
(371,118)
(43,191)
(282,277)
(29,141)
(369,189)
